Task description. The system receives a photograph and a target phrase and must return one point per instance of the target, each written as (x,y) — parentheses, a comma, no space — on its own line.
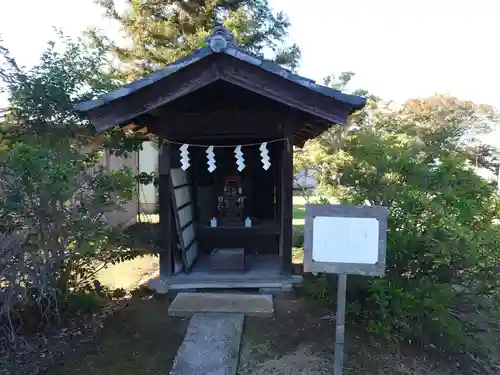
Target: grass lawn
(299,209)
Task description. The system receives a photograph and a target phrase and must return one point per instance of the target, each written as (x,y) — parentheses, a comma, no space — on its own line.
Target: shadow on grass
(138,339)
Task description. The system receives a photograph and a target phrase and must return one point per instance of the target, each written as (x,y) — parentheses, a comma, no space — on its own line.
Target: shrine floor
(263,272)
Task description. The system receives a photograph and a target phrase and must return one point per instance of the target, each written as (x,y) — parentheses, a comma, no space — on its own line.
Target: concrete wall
(148,163)
(128,215)
(305,180)
(146,198)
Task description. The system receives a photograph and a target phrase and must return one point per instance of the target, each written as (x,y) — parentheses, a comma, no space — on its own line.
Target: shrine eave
(221,60)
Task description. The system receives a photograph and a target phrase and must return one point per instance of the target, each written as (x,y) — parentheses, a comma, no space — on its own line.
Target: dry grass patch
(299,340)
(129,274)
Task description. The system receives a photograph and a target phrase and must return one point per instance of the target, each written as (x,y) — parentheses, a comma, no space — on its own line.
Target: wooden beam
(287,199)
(284,91)
(185,81)
(300,142)
(245,124)
(130,127)
(166,233)
(299,139)
(310,126)
(240,123)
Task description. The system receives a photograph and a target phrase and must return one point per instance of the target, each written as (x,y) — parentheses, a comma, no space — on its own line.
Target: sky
(399,49)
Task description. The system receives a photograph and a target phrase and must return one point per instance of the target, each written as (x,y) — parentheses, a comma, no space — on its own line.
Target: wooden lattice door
(183,207)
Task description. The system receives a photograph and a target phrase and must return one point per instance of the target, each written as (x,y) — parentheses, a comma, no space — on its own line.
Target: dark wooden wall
(269,193)
(259,187)
(258,184)
(269,198)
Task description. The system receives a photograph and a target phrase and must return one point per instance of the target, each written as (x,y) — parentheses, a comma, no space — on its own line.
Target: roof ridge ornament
(220,39)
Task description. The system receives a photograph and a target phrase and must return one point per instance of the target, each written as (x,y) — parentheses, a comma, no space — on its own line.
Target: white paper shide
(264,154)
(211,159)
(240,161)
(184,156)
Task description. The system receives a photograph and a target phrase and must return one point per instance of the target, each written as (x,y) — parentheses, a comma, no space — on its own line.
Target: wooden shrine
(202,107)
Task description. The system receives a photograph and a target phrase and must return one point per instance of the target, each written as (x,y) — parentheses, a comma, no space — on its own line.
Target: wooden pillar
(286,202)
(165,203)
(277,178)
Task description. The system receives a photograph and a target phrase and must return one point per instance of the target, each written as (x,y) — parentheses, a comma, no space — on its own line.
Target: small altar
(260,238)
(264,228)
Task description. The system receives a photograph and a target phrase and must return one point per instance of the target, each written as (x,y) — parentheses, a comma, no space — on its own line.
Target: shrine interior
(233,197)
(245,204)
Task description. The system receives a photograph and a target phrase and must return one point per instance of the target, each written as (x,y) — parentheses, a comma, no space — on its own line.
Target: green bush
(442,241)
(443,238)
(321,288)
(55,193)
(413,311)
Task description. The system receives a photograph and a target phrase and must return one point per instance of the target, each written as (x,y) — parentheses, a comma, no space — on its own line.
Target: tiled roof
(220,41)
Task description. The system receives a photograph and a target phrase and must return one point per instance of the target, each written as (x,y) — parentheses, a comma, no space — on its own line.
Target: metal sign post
(343,239)
(340,325)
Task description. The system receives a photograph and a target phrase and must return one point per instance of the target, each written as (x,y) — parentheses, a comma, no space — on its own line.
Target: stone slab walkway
(211,345)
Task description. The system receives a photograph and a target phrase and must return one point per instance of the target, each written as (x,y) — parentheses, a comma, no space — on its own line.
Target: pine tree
(160,31)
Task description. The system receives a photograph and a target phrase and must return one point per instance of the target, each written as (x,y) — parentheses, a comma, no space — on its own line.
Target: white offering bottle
(213,222)
(248,222)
